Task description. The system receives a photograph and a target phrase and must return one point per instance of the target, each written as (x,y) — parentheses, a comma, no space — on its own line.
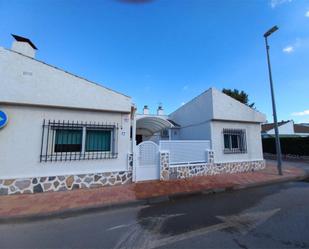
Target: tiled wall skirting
(66,182)
(181,172)
(168,171)
(62,183)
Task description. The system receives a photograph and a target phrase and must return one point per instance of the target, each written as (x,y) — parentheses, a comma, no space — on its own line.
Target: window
(234,141)
(98,140)
(62,141)
(68,140)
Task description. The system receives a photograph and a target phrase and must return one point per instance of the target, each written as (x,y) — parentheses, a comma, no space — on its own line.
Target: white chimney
(24,46)
(160,110)
(145,110)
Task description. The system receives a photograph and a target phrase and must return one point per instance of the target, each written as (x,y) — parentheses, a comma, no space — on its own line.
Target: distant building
(304,124)
(286,129)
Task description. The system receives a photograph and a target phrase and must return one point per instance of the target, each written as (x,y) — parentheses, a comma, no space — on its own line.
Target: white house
(286,129)
(231,128)
(63,131)
(206,118)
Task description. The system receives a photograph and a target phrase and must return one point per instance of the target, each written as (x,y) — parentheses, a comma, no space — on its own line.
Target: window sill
(234,152)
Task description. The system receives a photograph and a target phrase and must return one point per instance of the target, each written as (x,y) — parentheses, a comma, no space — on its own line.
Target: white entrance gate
(148,161)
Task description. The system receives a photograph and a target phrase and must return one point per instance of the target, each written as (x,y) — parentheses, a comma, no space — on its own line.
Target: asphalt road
(275,216)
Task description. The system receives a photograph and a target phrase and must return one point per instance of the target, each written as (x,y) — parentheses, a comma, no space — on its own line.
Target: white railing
(186,151)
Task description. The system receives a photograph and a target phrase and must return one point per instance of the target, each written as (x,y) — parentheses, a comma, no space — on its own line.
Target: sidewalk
(46,204)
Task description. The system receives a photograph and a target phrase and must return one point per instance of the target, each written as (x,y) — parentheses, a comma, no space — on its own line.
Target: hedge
(289,145)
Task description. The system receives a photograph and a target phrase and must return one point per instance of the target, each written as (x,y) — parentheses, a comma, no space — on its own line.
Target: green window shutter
(68,140)
(226,141)
(98,140)
(235,144)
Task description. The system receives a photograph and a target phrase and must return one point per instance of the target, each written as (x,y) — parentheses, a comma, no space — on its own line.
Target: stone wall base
(62,183)
(181,171)
(70,182)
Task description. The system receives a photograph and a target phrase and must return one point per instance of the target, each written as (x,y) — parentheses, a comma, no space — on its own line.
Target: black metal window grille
(234,141)
(67,141)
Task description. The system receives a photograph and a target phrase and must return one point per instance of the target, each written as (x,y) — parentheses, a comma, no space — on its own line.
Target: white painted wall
(227,108)
(214,105)
(194,118)
(195,112)
(196,132)
(253,139)
(24,48)
(285,129)
(27,81)
(20,142)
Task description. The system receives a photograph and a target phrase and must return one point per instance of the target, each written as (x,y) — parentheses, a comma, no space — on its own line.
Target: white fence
(186,151)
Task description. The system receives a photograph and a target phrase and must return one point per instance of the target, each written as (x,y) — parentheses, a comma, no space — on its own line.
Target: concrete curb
(66,213)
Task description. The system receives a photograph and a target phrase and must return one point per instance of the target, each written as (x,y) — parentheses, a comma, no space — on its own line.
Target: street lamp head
(272,30)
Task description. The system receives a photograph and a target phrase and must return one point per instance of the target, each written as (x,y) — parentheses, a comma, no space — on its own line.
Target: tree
(240,96)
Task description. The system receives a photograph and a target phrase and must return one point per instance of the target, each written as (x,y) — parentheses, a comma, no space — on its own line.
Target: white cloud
(185,88)
(183,103)
(307,14)
(288,49)
(303,113)
(275,3)
(302,43)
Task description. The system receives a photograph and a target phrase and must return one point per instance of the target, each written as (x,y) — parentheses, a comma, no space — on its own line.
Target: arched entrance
(148,128)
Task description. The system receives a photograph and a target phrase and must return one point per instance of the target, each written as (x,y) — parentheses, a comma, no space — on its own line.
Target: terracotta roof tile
(301,128)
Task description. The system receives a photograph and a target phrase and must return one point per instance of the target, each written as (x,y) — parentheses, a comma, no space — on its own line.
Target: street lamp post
(278,147)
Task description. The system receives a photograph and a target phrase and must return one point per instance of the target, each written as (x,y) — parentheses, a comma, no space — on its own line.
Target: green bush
(289,145)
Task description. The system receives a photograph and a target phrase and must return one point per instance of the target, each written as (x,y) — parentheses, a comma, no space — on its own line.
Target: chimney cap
(23,39)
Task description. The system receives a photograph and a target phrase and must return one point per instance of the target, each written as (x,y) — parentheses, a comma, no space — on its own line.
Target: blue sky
(169,51)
